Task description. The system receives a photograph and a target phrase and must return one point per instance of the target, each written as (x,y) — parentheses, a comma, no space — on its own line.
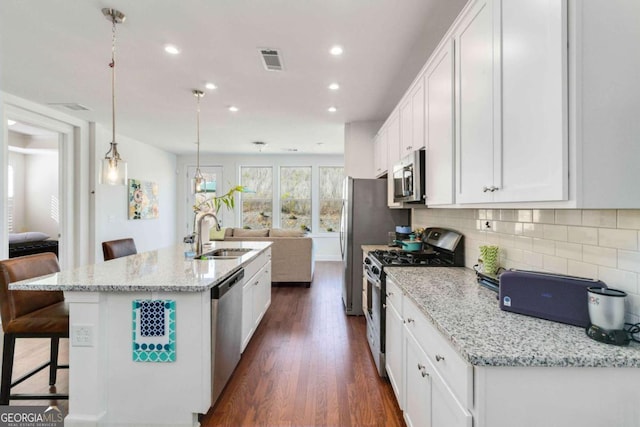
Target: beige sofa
(291,252)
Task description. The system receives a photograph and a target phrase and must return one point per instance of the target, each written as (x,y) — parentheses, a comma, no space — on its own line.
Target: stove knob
(375,270)
(367,261)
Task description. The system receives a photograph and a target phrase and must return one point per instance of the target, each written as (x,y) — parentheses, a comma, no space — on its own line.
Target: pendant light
(199,183)
(114,169)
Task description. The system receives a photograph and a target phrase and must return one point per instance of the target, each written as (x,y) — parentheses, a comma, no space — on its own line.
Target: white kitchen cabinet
(418,398)
(256,295)
(476,112)
(511,110)
(393,139)
(393,342)
(432,383)
(262,294)
(380,153)
(439,112)
(412,119)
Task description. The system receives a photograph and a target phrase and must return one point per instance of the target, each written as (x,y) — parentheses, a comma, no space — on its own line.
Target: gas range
(440,248)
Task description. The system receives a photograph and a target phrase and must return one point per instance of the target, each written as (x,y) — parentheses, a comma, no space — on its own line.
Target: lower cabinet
(256,299)
(423,369)
(393,353)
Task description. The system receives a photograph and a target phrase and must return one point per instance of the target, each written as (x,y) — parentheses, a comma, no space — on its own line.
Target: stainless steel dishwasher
(226,331)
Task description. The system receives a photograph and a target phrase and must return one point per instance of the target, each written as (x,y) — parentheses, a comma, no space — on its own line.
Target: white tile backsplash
(599,218)
(621,239)
(598,244)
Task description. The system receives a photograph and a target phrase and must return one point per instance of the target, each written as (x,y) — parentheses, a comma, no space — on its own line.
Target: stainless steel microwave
(408,178)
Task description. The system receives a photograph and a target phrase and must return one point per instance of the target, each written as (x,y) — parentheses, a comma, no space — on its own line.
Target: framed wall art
(143,199)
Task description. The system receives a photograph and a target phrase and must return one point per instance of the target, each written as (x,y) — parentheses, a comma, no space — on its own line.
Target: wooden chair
(30,314)
(118,248)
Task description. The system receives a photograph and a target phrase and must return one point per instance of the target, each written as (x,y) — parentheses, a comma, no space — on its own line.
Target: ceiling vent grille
(70,105)
(271,59)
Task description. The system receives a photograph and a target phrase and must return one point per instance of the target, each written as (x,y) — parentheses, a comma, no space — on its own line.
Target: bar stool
(118,248)
(30,314)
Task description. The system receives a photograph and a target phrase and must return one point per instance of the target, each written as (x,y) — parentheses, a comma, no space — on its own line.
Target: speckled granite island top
(164,269)
(469,316)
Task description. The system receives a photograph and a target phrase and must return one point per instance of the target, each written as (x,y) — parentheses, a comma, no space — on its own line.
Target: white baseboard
(328,258)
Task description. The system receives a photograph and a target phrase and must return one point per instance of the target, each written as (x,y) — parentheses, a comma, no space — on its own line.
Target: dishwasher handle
(225,286)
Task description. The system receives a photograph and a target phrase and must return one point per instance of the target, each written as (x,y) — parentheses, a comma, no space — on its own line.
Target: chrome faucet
(198,231)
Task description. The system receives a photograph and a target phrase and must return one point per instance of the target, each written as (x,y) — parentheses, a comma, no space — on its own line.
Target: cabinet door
(476,109)
(439,113)
(446,411)
(417,404)
(406,126)
(393,138)
(380,153)
(393,354)
(534,102)
(412,120)
(247,312)
(261,293)
(417,112)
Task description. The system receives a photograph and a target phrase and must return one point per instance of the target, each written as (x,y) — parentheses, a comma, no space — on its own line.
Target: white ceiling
(57,51)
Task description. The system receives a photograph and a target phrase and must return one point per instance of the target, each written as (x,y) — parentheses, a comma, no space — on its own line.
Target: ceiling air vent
(271,59)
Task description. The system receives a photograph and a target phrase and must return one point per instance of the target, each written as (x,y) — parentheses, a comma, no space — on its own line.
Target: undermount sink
(226,253)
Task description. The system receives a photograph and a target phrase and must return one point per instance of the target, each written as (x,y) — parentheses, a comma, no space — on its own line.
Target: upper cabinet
(393,139)
(412,120)
(511,109)
(439,126)
(539,98)
(380,153)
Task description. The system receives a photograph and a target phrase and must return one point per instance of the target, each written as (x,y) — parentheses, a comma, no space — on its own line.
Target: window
(330,187)
(295,198)
(10,191)
(257,205)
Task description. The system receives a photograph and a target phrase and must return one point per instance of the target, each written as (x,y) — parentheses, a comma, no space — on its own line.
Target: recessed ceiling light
(211,86)
(233,108)
(336,50)
(334,86)
(171,49)
(11,122)
(332,109)
(292,150)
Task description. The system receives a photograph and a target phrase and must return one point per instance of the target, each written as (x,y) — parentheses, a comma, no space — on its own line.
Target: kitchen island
(482,366)
(114,380)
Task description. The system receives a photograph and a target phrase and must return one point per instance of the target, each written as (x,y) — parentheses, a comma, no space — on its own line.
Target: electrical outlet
(82,335)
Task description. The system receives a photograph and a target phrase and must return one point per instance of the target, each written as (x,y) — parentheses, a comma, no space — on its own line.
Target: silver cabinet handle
(494,189)
(384,305)
(485,189)
(409,147)
(423,370)
(389,294)
(256,284)
(490,189)
(439,358)
(410,320)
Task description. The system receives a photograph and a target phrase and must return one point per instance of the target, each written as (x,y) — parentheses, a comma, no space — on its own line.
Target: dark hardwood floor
(308,364)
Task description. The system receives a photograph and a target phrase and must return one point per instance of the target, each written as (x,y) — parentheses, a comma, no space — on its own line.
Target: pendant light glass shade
(199,183)
(114,169)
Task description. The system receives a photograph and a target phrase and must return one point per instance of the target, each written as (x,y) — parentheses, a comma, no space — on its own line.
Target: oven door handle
(373,279)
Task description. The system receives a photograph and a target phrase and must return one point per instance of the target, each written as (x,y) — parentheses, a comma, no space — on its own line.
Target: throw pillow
(278,232)
(242,232)
(217,235)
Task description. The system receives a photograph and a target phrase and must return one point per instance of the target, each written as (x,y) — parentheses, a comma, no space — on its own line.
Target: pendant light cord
(198,132)
(113,80)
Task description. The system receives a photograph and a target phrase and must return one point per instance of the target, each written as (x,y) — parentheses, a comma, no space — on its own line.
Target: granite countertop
(164,269)
(469,316)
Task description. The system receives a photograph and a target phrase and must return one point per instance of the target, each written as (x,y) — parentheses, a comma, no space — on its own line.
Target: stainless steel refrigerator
(366,220)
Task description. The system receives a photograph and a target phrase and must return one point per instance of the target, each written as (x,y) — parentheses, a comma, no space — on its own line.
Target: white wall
(326,245)
(146,163)
(598,244)
(358,148)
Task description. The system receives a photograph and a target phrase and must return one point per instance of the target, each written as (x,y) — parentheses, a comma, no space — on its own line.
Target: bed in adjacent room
(31,242)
